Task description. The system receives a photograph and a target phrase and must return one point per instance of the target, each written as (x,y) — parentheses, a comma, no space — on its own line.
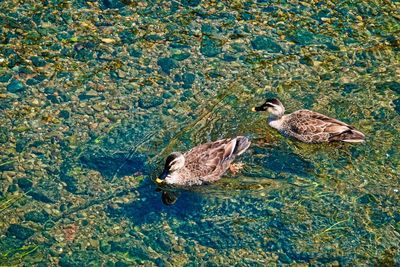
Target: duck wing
(209,161)
(306,122)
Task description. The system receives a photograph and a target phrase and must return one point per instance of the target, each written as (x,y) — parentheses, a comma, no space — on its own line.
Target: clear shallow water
(93,98)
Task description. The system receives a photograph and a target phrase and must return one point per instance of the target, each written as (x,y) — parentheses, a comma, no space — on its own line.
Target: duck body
(309,126)
(312,127)
(202,164)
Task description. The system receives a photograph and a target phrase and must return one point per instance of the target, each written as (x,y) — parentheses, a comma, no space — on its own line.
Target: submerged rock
(19,231)
(8,165)
(191,3)
(147,102)
(394,86)
(303,37)
(167,64)
(210,47)
(38,61)
(379,218)
(350,88)
(188,80)
(266,43)
(112,4)
(15,86)
(25,184)
(37,216)
(40,196)
(5,77)
(181,56)
(396,103)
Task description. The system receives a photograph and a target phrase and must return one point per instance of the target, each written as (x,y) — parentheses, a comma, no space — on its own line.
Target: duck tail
(349,136)
(242,144)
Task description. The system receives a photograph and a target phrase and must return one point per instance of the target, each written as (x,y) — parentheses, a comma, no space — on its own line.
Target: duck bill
(160,180)
(255,109)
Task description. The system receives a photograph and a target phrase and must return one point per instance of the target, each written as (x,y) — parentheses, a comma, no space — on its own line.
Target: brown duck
(309,126)
(202,164)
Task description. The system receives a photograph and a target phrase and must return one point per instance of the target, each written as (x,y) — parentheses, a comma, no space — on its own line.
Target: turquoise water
(95,94)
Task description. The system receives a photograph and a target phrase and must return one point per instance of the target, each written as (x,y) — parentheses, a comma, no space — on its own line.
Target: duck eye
(172,162)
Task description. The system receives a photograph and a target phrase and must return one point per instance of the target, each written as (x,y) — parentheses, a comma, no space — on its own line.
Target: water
(95,94)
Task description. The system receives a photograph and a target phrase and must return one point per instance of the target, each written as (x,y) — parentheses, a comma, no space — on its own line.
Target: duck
(309,126)
(203,164)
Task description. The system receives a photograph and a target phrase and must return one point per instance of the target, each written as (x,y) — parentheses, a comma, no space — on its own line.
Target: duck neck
(275,116)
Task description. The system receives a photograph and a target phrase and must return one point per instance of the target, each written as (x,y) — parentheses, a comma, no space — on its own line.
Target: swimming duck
(202,164)
(309,126)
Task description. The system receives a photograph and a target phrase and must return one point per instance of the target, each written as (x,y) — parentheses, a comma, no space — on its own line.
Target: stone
(37,216)
(181,56)
(350,88)
(8,165)
(36,80)
(15,86)
(191,3)
(396,103)
(19,231)
(25,184)
(379,218)
(38,61)
(12,188)
(188,80)
(229,58)
(394,86)
(239,47)
(210,47)
(105,247)
(3,137)
(266,43)
(208,29)
(112,4)
(167,95)
(303,37)
(134,52)
(147,102)
(167,64)
(40,196)
(65,114)
(127,36)
(5,77)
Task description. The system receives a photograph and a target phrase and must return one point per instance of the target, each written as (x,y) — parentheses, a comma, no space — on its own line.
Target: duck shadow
(154,203)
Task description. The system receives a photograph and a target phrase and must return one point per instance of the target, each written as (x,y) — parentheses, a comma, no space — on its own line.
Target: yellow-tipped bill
(253,109)
(159,181)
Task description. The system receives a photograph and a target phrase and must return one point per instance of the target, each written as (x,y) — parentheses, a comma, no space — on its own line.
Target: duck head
(273,106)
(174,162)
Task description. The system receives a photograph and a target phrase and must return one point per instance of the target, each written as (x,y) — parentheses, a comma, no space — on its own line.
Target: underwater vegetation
(95,94)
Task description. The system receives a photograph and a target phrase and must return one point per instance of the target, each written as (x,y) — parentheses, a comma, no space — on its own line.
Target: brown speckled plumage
(309,126)
(312,127)
(205,163)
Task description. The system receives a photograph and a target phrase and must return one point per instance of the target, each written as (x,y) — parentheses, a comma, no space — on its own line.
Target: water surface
(94,94)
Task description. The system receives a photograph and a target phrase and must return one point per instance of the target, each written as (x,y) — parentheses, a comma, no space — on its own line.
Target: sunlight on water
(95,94)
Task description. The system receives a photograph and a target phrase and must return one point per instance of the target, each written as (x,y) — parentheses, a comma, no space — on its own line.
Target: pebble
(35,102)
(15,86)
(188,80)
(5,77)
(266,43)
(25,184)
(37,216)
(38,61)
(167,64)
(147,102)
(19,231)
(210,47)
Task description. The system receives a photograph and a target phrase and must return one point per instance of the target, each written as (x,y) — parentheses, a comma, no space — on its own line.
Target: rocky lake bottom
(95,94)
